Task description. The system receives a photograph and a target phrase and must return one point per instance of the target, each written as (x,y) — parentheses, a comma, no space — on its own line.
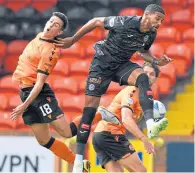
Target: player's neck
(144,25)
(47,37)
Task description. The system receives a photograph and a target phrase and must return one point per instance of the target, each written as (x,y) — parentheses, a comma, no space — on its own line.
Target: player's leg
(83,130)
(41,133)
(43,110)
(132,163)
(75,122)
(113,166)
(141,81)
(105,160)
(110,147)
(97,83)
(132,74)
(101,114)
(61,126)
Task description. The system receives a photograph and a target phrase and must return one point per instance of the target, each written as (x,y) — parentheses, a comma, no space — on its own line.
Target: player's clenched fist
(164,60)
(64,43)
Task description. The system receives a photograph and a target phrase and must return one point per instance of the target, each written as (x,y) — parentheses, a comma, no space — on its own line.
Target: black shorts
(103,70)
(44,109)
(111,147)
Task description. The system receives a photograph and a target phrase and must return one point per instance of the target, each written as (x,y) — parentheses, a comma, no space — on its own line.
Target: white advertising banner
(24,154)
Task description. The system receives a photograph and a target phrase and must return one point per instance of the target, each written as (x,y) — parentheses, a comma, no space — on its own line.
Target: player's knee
(45,142)
(92,101)
(141,169)
(142,81)
(145,93)
(64,133)
(85,124)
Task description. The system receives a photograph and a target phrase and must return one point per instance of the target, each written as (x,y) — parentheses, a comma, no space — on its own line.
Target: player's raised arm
(89,26)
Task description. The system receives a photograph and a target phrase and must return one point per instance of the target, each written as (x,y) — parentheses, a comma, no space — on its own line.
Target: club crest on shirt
(146,38)
(130,101)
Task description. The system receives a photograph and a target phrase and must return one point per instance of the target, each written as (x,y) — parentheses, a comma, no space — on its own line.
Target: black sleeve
(116,23)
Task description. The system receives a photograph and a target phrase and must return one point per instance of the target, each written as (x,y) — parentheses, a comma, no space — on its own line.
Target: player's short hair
(63,18)
(155,67)
(152,8)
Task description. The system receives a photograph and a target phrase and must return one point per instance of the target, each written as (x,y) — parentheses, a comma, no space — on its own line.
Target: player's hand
(148,146)
(64,42)
(17,111)
(164,60)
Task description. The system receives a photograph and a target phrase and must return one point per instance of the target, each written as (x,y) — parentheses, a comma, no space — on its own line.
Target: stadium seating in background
(65,5)
(157,50)
(17,5)
(9,31)
(5,123)
(142,3)
(16,47)
(155,91)
(78,16)
(182,20)
(61,68)
(93,5)
(181,56)
(25,14)
(6,84)
(117,5)
(67,84)
(10,67)
(167,36)
(131,11)
(45,15)
(42,5)
(188,38)
(73,53)
(2,2)
(173,6)
(3,51)
(3,102)
(73,106)
(79,70)
(167,79)
(5,14)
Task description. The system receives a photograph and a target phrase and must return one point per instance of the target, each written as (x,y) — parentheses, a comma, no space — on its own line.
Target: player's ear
(146,14)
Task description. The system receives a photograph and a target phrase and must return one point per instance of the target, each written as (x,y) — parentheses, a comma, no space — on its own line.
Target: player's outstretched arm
(41,78)
(89,26)
(147,56)
(132,127)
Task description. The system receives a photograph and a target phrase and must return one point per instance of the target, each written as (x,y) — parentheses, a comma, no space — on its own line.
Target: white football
(159,110)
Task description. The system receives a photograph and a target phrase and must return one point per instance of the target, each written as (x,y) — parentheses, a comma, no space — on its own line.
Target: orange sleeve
(49,58)
(129,101)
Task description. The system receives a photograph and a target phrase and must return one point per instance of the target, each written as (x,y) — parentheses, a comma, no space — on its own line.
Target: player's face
(151,74)
(155,20)
(53,26)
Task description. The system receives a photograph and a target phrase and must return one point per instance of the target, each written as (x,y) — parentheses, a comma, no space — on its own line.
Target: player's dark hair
(63,18)
(155,67)
(152,8)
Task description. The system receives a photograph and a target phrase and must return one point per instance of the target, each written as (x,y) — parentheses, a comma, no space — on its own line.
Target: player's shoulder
(133,19)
